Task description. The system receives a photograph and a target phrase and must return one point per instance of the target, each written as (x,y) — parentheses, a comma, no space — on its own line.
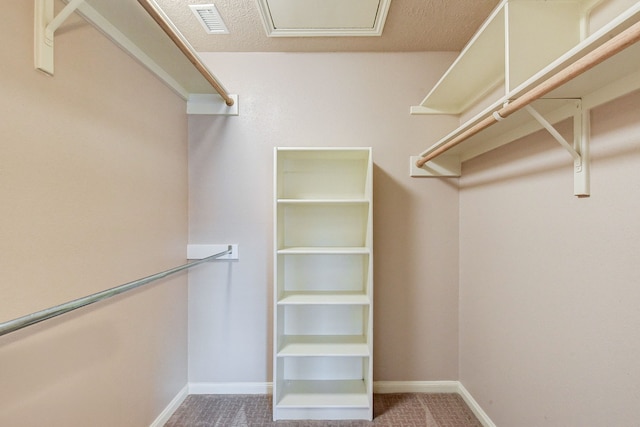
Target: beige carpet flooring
(390,410)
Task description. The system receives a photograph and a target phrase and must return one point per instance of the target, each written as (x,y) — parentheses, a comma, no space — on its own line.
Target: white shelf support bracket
(581,140)
(45,26)
(204,251)
(579,150)
(211,105)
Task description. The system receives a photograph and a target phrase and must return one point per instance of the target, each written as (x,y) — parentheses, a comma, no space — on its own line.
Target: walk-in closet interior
(324,202)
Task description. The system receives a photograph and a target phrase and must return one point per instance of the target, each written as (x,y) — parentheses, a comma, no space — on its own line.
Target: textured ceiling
(412,25)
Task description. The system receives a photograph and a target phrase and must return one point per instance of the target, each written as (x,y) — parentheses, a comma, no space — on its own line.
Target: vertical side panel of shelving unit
(278,271)
(538,32)
(368,367)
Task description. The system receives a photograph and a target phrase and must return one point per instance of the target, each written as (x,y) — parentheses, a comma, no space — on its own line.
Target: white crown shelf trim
(608,80)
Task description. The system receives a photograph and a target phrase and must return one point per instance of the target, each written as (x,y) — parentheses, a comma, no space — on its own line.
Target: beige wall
(549,295)
(323,100)
(93,193)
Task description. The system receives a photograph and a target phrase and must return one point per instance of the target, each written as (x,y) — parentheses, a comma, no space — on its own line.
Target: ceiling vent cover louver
(210,19)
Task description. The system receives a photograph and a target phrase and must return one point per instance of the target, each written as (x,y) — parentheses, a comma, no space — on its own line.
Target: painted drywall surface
(549,290)
(93,190)
(322,100)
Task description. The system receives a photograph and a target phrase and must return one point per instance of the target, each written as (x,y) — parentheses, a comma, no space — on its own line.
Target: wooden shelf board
(451,94)
(337,250)
(324,394)
(345,201)
(141,36)
(324,345)
(321,298)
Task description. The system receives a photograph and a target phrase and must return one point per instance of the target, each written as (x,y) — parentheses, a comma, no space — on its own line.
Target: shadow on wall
(532,155)
(395,304)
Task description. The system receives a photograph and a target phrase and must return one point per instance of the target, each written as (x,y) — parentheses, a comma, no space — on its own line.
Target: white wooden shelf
(323,284)
(324,345)
(518,39)
(324,394)
(129,26)
(332,250)
(464,87)
(323,201)
(326,297)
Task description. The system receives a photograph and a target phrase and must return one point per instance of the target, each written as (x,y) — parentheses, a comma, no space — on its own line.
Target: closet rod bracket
(45,26)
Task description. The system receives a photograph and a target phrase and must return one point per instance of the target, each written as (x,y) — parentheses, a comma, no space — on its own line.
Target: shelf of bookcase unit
(323,201)
(324,250)
(324,345)
(324,298)
(324,394)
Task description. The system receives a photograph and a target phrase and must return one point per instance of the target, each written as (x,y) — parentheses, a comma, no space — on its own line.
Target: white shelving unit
(522,45)
(323,284)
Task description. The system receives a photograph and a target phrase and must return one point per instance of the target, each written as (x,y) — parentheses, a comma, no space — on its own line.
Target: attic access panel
(329,18)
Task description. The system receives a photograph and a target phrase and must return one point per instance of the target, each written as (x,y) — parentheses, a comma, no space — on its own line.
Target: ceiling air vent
(210,19)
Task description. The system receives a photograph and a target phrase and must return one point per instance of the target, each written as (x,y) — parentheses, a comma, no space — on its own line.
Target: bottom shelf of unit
(324,393)
(324,400)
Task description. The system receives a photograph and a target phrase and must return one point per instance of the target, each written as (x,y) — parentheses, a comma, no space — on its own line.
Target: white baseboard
(378,387)
(435,387)
(474,406)
(230,388)
(171,408)
(383,387)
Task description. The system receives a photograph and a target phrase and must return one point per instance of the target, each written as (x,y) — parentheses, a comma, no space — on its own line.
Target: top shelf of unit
(321,175)
(612,78)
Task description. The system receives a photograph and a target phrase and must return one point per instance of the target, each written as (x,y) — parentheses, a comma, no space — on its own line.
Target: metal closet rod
(186,50)
(49,313)
(608,49)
